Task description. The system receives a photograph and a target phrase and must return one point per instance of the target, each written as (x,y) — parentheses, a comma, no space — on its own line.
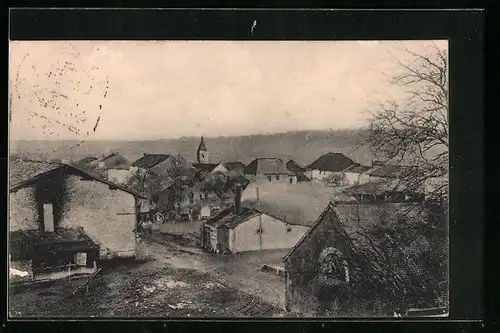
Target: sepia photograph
(228,179)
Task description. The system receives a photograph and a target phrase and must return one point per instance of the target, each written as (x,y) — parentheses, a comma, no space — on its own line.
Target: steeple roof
(202,146)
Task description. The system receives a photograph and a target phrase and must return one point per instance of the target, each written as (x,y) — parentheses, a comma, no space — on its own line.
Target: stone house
(272,169)
(62,209)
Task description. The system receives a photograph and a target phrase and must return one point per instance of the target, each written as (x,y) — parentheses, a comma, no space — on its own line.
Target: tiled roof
(150,160)
(234,166)
(294,167)
(266,166)
(358,168)
(391,171)
(227,217)
(333,162)
(20,170)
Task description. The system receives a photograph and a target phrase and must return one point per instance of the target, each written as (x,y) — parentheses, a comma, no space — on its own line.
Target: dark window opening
(288,229)
(269,178)
(277,177)
(291,180)
(260,231)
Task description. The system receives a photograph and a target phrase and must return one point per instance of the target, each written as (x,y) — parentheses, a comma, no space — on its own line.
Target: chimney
(237,200)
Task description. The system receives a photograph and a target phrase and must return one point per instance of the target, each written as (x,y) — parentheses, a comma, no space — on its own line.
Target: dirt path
(183,254)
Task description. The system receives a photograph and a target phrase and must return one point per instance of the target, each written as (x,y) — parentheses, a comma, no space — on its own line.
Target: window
(269,178)
(260,231)
(288,229)
(277,177)
(48,217)
(291,180)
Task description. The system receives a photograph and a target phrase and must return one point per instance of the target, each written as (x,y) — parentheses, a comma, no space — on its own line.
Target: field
(173,278)
(304,147)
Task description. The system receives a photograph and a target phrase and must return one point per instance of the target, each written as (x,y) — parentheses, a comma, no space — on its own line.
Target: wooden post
(260,219)
(69,273)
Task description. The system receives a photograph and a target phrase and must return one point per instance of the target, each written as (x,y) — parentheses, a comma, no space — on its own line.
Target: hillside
(303,147)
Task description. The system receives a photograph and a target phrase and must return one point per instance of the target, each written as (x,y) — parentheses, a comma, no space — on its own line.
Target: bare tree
(415,132)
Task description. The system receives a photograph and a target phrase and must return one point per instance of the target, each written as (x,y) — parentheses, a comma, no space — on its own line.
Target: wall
(220,168)
(119,176)
(302,265)
(320,175)
(93,206)
(351,178)
(282,178)
(23,210)
(244,237)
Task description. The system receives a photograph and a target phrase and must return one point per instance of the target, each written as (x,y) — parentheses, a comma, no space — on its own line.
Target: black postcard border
(464,30)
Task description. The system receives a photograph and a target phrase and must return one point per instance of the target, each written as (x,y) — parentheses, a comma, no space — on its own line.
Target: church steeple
(202,153)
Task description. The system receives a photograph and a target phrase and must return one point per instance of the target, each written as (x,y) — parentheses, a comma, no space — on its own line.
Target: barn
(58,211)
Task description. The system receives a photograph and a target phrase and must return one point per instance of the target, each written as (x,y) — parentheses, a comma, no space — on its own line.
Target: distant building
(86,161)
(328,165)
(240,229)
(119,174)
(63,207)
(353,174)
(385,172)
(383,191)
(109,161)
(272,169)
(298,170)
(202,152)
(232,169)
(148,161)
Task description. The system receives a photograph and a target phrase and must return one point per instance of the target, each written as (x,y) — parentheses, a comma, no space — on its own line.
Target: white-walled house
(240,229)
(354,174)
(328,165)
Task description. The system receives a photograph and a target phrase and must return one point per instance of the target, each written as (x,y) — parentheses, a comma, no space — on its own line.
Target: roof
(391,171)
(379,187)
(208,167)
(358,168)
(110,156)
(227,218)
(333,162)
(269,165)
(86,160)
(294,167)
(26,181)
(234,165)
(150,160)
(25,243)
(20,170)
(356,217)
(298,204)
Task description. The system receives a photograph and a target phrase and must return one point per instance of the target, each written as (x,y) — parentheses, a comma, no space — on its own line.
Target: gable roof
(227,218)
(107,157)
(391,171)
(294,167)
(20,170)
(208,167)
(268,165)
(354,217)
(150,160)
(231,166)
(86,160)
(333,162)
(65,168)
(298,204)
(358,168)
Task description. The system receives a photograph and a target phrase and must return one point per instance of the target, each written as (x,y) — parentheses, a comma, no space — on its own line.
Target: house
(386,172)
(109,161)
(328,165)
(232,169)
(202,170)
(335,255)
(119,174)
(60,209)
(86,161)
(383,191)
(240,229)
(352,175)
(298,170)
(148,161)
(272,169)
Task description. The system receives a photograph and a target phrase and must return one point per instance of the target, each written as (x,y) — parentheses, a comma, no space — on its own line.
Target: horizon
(142,90)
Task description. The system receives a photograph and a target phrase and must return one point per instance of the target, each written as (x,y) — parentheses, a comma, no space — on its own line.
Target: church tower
(202,153)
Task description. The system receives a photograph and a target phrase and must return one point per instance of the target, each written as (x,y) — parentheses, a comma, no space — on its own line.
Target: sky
(147,90)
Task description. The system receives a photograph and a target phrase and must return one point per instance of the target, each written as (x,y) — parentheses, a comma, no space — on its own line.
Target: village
(163,236)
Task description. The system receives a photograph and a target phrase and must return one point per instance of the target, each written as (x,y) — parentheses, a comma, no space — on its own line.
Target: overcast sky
(169,89)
